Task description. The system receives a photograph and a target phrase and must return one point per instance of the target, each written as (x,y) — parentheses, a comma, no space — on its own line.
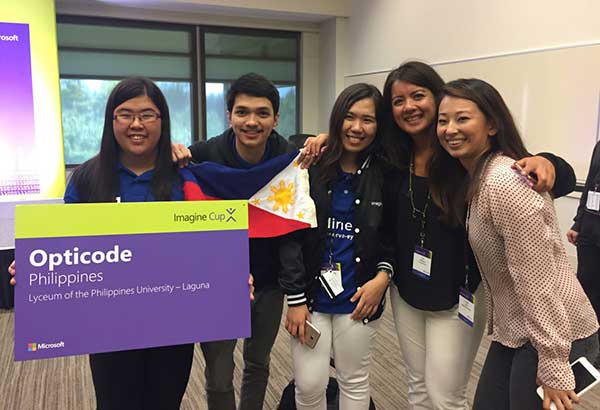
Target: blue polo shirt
(132,188)
(340,244)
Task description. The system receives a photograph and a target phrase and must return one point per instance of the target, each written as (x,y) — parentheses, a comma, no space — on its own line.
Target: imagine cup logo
(31,347)
(230,211)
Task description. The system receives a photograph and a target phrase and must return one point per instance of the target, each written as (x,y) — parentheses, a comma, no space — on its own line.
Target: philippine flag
(277,190)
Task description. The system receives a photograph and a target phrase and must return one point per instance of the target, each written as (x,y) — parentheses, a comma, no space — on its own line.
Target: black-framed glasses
(146,117)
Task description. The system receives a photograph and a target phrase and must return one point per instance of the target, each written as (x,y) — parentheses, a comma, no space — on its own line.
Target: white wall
(309,83)
(384,33)
(333,60)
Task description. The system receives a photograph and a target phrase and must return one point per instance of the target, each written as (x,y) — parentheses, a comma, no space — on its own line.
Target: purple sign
(18,175)
(92,294)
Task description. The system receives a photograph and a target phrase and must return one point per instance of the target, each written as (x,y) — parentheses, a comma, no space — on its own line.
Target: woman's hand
(562,399)
(313,148)
(180,154)
(251,286)
(295,321)
(572,237)
(13,272)
(369,296)
(543,169)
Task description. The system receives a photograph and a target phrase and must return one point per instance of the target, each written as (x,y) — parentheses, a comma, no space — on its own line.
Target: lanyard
(416,211)
(467,250)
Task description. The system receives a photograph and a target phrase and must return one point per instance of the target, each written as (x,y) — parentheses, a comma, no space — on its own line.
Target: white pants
(439,350)
(351,342)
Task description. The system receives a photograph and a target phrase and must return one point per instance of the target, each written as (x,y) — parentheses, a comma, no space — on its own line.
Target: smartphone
(586,377)
(311,335)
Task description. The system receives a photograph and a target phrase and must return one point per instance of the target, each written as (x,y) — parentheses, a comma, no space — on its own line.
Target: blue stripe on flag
(223,182)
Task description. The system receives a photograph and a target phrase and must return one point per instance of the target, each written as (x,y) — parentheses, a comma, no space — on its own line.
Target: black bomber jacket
(373,239)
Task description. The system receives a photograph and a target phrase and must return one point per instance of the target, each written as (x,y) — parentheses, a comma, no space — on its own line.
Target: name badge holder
(466,299)
(466,306)
(422,262)
(593,200)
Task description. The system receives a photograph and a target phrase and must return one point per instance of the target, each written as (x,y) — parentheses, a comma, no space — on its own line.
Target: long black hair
(451,185)
(97,180)
(397,143)
(329,164)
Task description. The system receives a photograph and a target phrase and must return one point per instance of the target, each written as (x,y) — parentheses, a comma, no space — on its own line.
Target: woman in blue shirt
(134,165)
(344,257)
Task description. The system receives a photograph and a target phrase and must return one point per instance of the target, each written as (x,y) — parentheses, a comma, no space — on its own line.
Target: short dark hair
(344,102)
(255,85)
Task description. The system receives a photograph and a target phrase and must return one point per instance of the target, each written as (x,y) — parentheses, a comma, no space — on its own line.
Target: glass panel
(231,68)
(123,38)
(216,109)
(83,104)
(287,111)
(222,44)
(92,64)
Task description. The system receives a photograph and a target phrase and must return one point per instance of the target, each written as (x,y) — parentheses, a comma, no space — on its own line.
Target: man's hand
(13,272)
(295,321)
(369,296)
(180,154)
(313,148)
(562,399)
(251,286)
(542,170)
(572,237)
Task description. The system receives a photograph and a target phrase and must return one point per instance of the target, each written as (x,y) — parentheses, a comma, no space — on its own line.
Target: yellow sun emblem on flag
(283,196)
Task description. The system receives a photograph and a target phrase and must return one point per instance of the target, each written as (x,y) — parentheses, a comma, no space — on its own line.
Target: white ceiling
(309,11)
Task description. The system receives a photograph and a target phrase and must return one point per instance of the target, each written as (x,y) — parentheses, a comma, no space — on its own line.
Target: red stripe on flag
(193,192)
(264,224)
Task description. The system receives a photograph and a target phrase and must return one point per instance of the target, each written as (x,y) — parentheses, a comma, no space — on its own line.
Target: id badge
(466,307)
(422,262)
(593,201)
(331,279)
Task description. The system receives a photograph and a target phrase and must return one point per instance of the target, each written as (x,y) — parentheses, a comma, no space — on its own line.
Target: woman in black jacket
(345,257)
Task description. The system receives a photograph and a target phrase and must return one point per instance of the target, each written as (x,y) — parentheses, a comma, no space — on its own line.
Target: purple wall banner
(18,172)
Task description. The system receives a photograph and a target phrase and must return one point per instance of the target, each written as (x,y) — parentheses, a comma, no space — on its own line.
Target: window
(93,57)
(94,54)
(228,55)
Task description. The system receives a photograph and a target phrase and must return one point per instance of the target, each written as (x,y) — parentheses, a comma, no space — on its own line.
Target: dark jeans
(142,379)
(266,317)
(508,377)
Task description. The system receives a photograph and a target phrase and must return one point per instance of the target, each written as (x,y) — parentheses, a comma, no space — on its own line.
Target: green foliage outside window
(83,107)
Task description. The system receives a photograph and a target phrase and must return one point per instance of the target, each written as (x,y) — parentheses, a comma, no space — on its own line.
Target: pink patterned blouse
(532,293)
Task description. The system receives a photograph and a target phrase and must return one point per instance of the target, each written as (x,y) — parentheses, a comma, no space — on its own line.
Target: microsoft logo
(34,347)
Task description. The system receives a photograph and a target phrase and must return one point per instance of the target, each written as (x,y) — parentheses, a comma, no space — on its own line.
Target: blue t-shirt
(243,163)
(132,188)
(340,245)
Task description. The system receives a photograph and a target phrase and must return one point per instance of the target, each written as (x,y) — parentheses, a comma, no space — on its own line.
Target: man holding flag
(252,161)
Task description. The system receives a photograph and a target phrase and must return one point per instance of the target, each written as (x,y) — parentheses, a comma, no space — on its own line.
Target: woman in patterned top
(538,314)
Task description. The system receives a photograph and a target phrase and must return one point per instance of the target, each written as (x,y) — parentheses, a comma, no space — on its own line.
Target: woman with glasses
(134,165)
